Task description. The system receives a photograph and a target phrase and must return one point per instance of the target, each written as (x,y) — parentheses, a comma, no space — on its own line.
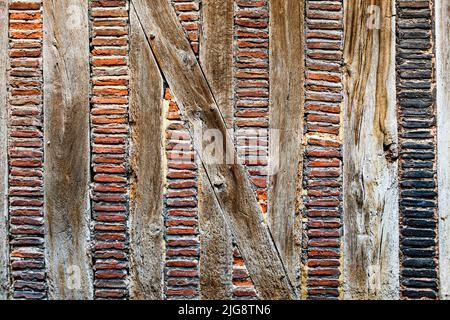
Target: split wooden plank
(216,255)
(4,232)
(216,53)
(371,258)
(442,9)
(147,181)
(230,181)
(286,129)
(66,132)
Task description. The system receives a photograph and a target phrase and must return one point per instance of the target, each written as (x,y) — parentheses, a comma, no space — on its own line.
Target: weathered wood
(286,124)
(231,184)
(216,59)
(4,261)
(371,259)
(66,109)
(442,19)
(147,181)
(216,255)
(216,53)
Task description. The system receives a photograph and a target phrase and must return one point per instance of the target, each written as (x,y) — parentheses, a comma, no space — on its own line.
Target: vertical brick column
(181,202)
(181,206)
(322,162)
(251,89)
(110,135)
(417,134)
(25,151)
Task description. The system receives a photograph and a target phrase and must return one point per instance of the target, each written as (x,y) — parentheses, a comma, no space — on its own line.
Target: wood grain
(286,124)
(216,59)
(230,181)
(216,255)
(443,143)
(371,261)
(216,53)
(147,181)
(66,109)
(4,254)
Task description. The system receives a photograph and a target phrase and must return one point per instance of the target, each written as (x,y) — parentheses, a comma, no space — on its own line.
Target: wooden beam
(216,59)
(230,181)
(147,181)
(442,19)
(4,232)
(216,255)
(371,260)
(66,132)
(216,53)
(286,124)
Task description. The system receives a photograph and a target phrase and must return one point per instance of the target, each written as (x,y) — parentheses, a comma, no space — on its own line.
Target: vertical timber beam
(216,247)
(286,129)
(66,183)
(370,152)
(216,59)
(4,235)
(147,180)
(442,18)
(417,142)
(216,52)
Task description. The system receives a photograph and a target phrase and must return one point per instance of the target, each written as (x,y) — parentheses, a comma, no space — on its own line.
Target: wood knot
(219,184)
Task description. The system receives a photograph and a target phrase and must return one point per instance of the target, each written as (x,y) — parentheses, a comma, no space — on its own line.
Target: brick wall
(181,205)
(251,89)
(110,139)
(322,162)
(25,151)
(323,186)
(188,12)
(417,177)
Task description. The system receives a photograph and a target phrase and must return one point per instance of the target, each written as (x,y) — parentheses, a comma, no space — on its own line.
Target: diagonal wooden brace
(230,183)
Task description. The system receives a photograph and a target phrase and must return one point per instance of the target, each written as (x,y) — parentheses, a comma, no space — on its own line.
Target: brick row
(188,12)
(251,118)
(181,208)
(323,151)
(417,126)
(26,152)
(243,288)
(109,139)
(181,202)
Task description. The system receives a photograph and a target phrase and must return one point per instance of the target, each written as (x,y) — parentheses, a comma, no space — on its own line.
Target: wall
(335,112)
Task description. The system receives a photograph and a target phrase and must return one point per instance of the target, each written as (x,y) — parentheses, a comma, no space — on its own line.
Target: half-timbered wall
(330,126)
